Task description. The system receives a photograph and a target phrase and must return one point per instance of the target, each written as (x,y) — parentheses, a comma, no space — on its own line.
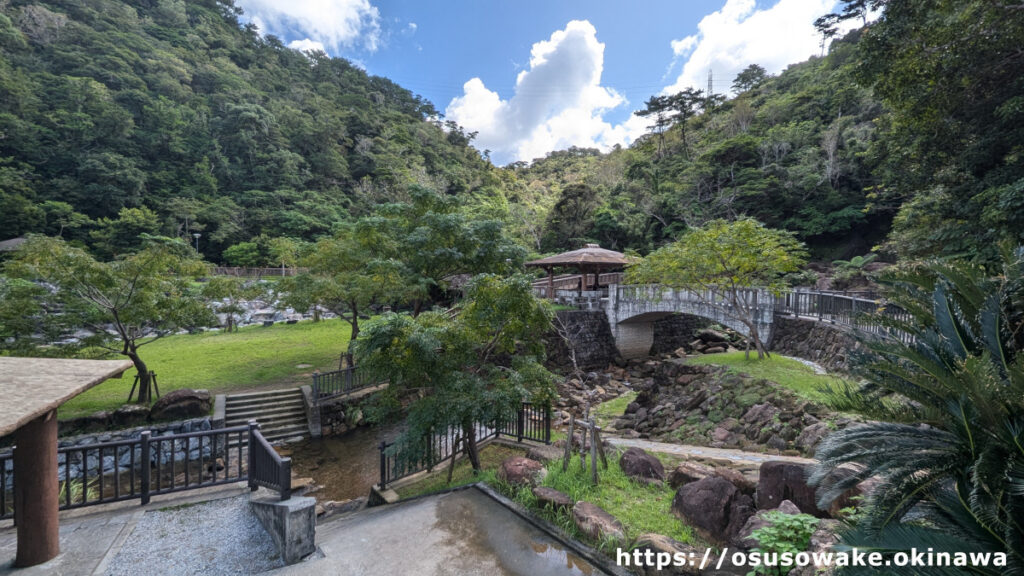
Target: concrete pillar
(634,339)
(36,494)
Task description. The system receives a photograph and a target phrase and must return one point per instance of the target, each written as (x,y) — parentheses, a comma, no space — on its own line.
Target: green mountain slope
(194,123)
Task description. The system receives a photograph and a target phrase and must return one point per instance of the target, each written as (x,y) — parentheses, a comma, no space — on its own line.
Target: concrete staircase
(281,414)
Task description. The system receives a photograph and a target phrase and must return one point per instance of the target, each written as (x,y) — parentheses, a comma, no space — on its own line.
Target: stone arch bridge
(632,311)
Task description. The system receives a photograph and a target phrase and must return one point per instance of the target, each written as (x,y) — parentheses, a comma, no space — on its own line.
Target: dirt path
(737,458)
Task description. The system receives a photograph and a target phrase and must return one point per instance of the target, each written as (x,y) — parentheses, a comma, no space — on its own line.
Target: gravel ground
(213,538)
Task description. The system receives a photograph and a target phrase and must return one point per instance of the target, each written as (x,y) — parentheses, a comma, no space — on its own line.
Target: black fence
(266,467)
(327,385)
(146,466)
(856,310)
(530,423)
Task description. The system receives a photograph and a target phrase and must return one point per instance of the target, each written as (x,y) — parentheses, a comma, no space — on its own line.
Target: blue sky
(532,76)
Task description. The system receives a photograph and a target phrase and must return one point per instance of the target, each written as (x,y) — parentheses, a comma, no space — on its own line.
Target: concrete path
(736,457)
(91,537)
(460,533)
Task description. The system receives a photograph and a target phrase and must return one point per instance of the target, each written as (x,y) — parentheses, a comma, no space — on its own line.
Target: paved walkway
(460,533)
(736,457)
(91,537)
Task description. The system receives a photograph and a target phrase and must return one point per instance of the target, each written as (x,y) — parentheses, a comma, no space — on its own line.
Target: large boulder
(659,544)
(687,472)
(520,471)
(715,508)
(745,485)
(639,465)
(547,496)
(183,403)
(759,520)
(824,538)
(596,523)
(782,480)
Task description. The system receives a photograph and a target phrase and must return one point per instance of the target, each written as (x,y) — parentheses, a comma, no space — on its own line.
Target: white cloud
(306,45)
(738,34)
(558,102)
(334,24)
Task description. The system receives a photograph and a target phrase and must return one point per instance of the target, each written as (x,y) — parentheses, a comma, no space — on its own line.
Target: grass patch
(787,372)
(252,357)
(606,412)
(640,507)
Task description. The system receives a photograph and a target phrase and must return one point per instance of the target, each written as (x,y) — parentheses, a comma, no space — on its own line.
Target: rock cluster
(576,393)
(710,341)
(709,406)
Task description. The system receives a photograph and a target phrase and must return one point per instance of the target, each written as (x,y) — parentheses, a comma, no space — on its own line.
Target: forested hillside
(169,117)
(908,135)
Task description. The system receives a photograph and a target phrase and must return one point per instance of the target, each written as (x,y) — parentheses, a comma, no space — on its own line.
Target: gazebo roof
(590,255)
(31,387)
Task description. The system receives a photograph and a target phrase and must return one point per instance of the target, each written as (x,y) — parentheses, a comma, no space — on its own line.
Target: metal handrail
(267,468)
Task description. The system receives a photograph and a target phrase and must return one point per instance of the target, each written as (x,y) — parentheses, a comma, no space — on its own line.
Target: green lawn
(606,412)
(252,357)
(784,371)
(640,507)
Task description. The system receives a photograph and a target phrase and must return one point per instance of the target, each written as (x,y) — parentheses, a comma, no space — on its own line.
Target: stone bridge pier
(632,311)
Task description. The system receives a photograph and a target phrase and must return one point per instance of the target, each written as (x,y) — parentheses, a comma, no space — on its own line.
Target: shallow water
(346,465)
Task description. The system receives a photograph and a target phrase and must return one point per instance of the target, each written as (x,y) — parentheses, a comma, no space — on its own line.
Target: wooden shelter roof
(31,387)
(591,256)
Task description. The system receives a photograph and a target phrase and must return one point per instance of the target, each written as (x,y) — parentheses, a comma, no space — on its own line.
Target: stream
(346,466)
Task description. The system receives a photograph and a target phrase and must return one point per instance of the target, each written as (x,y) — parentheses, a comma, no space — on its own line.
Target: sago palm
(947,401)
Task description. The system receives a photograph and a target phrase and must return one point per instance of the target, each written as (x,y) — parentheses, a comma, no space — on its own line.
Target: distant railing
(572,282)
(327,385)
(146,466)
(250,272)
(530,423)
(266,467)
(846,309)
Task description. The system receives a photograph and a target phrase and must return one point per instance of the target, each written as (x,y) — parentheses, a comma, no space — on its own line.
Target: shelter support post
(36,491)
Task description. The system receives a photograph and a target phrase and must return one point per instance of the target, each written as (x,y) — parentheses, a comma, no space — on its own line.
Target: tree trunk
(417,305)
(355,333)
(469,441)
(143,371)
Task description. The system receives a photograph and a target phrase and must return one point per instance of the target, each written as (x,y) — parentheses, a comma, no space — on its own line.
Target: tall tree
(750,77)
(722,264)
(476,366)
(140,297)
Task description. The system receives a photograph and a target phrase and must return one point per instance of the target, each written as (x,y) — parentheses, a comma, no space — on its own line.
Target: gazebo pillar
(36,494)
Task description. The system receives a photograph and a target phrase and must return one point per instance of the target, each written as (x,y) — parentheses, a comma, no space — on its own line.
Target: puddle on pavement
(346,465)
(484,531)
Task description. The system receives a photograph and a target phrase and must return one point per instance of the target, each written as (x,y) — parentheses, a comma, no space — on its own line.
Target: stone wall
(123,457)
(821,342)
(591,339)
(676,331)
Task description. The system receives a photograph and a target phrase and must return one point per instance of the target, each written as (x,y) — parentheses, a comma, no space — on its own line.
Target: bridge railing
(327,385)
(713,304)
(850,310)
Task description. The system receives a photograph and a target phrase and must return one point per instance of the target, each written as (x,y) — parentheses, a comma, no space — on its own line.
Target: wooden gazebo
(591,259)
(31,390)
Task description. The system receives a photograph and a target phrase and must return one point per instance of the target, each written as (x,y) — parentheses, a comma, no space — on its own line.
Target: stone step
(261,402)
(264,394)
(271,421)
(264,412)
(279,433)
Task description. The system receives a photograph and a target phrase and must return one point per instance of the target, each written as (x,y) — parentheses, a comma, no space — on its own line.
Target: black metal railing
(327,385)
(146,466)
(266,467)
(531,422)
